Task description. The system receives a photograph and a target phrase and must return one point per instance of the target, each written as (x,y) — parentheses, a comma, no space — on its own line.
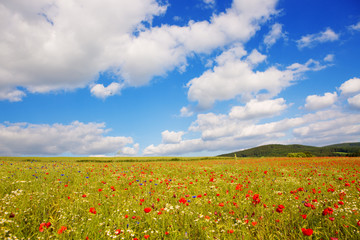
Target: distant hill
(279,150)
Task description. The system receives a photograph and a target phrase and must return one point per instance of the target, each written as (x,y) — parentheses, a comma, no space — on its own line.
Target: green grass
(219,198)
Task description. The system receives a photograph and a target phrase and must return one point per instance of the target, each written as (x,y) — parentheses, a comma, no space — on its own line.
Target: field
(179,198)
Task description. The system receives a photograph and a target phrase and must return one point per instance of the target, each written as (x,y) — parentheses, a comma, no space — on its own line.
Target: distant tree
(300,154)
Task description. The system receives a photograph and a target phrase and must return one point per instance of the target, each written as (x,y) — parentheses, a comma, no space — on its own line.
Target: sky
(176,77)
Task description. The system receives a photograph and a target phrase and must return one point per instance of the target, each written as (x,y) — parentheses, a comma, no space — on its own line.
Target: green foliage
(278,150)
(300,155)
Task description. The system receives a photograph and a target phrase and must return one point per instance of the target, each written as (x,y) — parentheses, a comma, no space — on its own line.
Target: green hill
(278,150)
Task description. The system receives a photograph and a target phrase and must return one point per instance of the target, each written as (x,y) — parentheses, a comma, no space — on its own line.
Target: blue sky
(190,78)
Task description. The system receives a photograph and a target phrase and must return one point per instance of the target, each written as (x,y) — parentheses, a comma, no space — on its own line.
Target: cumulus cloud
(355,27)
(258,109)
(330,129)
(274,34)
(12,95)
(350,87)
(255,57)
(329,58)
(186,112)
(354,101)
(210,3)
(171,137)
(76,138)
(100,91)
(315,102)
(234,76)
(311,40)
(320,128)
(130,151)
(65,44)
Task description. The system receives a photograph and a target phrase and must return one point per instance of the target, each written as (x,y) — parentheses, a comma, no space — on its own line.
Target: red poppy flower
(327,211)
(62,229)
(92,210)
(280,208)
(41,228)
(147,210)
(307,232)
(304,216)
(256,199)
(146,236)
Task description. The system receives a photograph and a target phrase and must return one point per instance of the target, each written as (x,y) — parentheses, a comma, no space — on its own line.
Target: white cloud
(236,77)
(221,132)
(311,40)
(210,3)
(355,27)
(329,58)
(330,129)
(185,112)
(65,44)
(351,86)
(255,57)
(171,137)
(100,91)
(258,109)
(130,151)
(43,139)
(315,102)
(310,65)
(354,101)
(274,34)
(13,95)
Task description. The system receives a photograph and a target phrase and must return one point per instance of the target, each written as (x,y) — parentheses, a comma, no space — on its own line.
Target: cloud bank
(76,138)
(69,42)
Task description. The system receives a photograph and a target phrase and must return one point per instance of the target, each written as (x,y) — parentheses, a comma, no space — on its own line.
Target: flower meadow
(261,198)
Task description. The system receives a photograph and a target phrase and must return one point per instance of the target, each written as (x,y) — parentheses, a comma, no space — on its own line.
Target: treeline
(296,150)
